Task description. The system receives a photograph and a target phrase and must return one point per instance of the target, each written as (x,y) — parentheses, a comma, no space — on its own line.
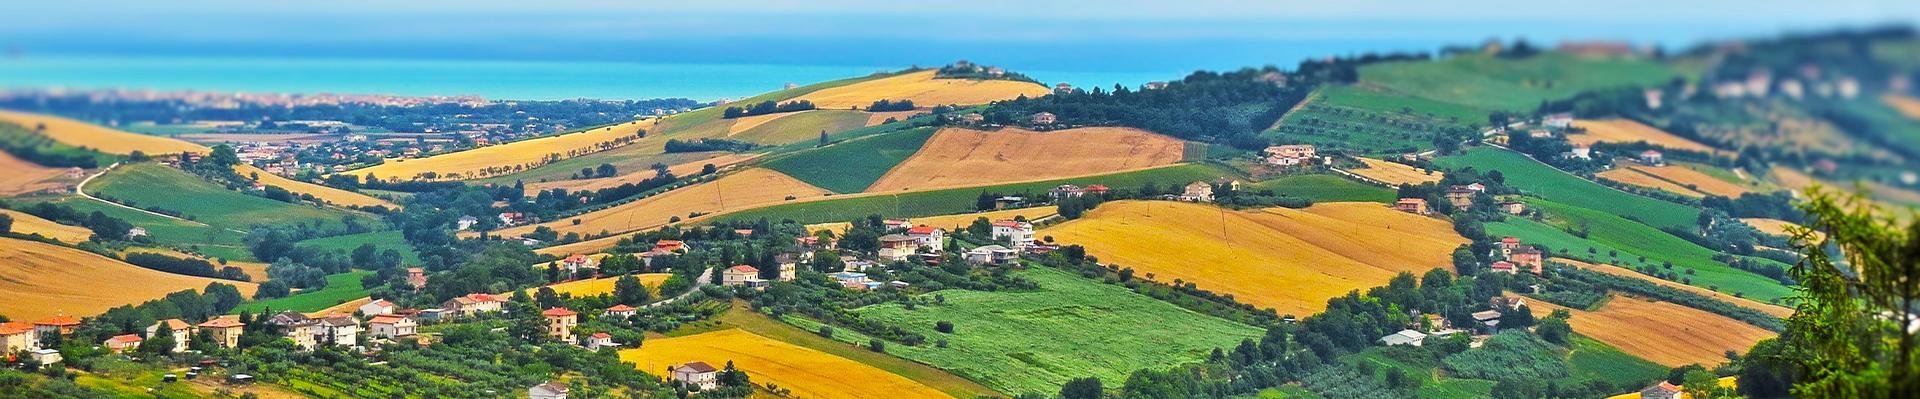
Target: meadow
(1324,188)
(1286,259)
(961,200)
(1505,84)
(923,89)
(808,373)
(381,240)
(956,157)
(39,280)
(1544,181)
(99,138)
(209,240)
(1435,386)
(1685,178)
(1608,234)
(1664,333)
(1035,341)
(1591,359)
(852,166)
(1372,123)
(340,288)
(149,186)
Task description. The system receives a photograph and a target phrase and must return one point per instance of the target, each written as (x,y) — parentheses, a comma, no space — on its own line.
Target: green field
(1502,84)
(1035,341)
(209,240)
(1434,387)
(1607,233)
(961,200)
(1372,122)
(851,166)
(340,288)
(1284,392)
(383,240)
(567,168)
(1595,360)
(804,127)
(148,186)
(1324,188)
(1544,181)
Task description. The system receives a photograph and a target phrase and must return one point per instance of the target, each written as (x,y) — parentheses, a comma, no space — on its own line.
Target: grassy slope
(1434,387)
(1494,84)
(1632,241)
(214,241)
(1036,341)
(148,185)
(340,288)
(1596,360)
(1546,182)
(803,127)
(851,166)
(382,240)
(961,200)
(1324,188)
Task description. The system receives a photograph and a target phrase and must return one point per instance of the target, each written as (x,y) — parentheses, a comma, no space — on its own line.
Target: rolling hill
(326,194)
(956,157)
(923,89)
(25,177)
(99,138)
(1285,259)
(809,373)
(1665,333)
(40,280)
(150,186)
(511,157)
(1542,180)
(25,223)
(746,189)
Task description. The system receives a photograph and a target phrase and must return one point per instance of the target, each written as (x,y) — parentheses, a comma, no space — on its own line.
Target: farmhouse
(1461,197)
(547,391)
(741,275)
(932,238)
(1503,267)
(1527,256)
(1579,151)
(56,325)
(137,232)
(994,254)
(1663,390)
(674,246)
(1652,157)
(1197,192)
(1042,118)
(18,337)
(1489,319)
(972,118)
(897,247)
(303,333)
(467,222)
(417,277)
(788,263)
(224,331)
(560,322)
(697,374)
(1539,133)
(892,224)
(377,307)
(179,329)
(621,310)
(122,343)
(1289,155)
(1018,232)
(473,304)
(1404,337)
(1513,207)
(342,330)
(391,326)
(600,340)
(575,262)
(1560,120)
(1417,206)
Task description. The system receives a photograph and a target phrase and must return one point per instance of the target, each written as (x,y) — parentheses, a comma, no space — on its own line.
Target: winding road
(82,190)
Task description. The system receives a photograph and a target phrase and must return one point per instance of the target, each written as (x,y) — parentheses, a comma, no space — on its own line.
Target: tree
(1081,388)
(606,170)
(6,224)
(1847,335)
(1555,328)
(627,290)
(1700,384)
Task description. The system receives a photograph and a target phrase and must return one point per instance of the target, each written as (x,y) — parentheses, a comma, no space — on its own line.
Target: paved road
(705,279)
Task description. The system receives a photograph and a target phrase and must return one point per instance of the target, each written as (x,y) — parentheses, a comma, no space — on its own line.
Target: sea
(506,80)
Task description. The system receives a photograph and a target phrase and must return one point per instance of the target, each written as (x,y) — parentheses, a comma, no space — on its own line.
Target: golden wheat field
(1636,177)
(24,177)
(1290,260)
(875,118)
(923,89)
(746,123)
(809,373)
(1768,308)
(1698,181)
(720,160)
(965,157)
(25,223)
(39,280)
(473,163)
(1629,131)
(1905,105)
(1772,226)
(101,138)
(604,285)
(329,194)
(953,222)
(1396,173)
(1662,332)
(750,188)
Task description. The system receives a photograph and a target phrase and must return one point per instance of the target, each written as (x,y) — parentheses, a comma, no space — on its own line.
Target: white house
(929,237)
(994,254)
(377,307)
(547,391)
(1404,337)
(600,340)
(1017,232)
(697,374)
(467,222)
(179,329)
(391,326)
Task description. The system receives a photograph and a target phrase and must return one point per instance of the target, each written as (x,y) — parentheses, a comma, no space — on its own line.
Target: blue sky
(1124,35)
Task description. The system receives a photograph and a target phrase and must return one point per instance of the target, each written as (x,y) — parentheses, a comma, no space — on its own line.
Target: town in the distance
(1502,219)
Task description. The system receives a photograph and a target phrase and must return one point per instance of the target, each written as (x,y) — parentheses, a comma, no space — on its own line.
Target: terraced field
(809,373)
(923,89)
(1289,260)
(39,280)
(99,138)
(1665,333)
(956,157)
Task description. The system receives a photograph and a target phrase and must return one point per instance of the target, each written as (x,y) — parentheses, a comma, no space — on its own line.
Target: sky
(1144,38)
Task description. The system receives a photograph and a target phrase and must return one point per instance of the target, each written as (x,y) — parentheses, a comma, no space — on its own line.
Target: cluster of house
(1518,257)
(1065,191)
(1458,197)
(1811,82)
(1486,322)
(1290,155)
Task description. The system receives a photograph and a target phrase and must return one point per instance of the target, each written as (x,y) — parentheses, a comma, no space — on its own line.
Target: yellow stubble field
(457,165)
(809,373)
(1629,131)
(101,138)
(1768,308)
(923,89)
(329,194)
(957,157)
(1661,332)
(24,177)
(39,280)
(683,169)
(1396,173)
(1286,259)
(25,223)
(604,285)
(1905,105)
(750,188)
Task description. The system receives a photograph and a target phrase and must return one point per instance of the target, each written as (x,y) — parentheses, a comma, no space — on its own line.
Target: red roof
(222,323)
(743,269)
(60,320)
(1097,188)
(124,339)
(557,312)
(1649,152)
(175,324)
(14,327)
(484,298)
(1510,240)
(621,308)
(1007,223)
(923,230)
(577,258)
(601,335)
(1502,265)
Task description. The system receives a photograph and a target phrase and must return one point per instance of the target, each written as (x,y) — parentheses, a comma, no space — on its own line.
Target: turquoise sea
(492,79)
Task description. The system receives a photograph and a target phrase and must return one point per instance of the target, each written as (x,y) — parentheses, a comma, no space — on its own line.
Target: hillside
(1286,259)
(923,89)
(746,189)
(150,186)
(326,194)
(1623,242)
(1542,180)
(1631,131)
(1504,84)
(1394,173)
(956,157)
(684,164)
(954,221)
(809,373)
(25,223)
(100,138)
(511,157)
(40,280)
(1665,333)
(854,165)
(23,177)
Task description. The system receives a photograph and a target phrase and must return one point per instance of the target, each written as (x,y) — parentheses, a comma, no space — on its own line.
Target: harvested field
(719,160)
(331,195)
(40,280)
(1636,177)
(746,123)
(809,373)
(24,177)
(1694,179)
(503,158)
(964,157)
(1396,173)
(801,127)
(604,285)
(25,223)
(1906,106)
(745,189)
(1662,332)
(1768,308)
(1772,226)
(923,89)
(100,138)
(1629,131)
(1286,259)
(875,118)
(952,222)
